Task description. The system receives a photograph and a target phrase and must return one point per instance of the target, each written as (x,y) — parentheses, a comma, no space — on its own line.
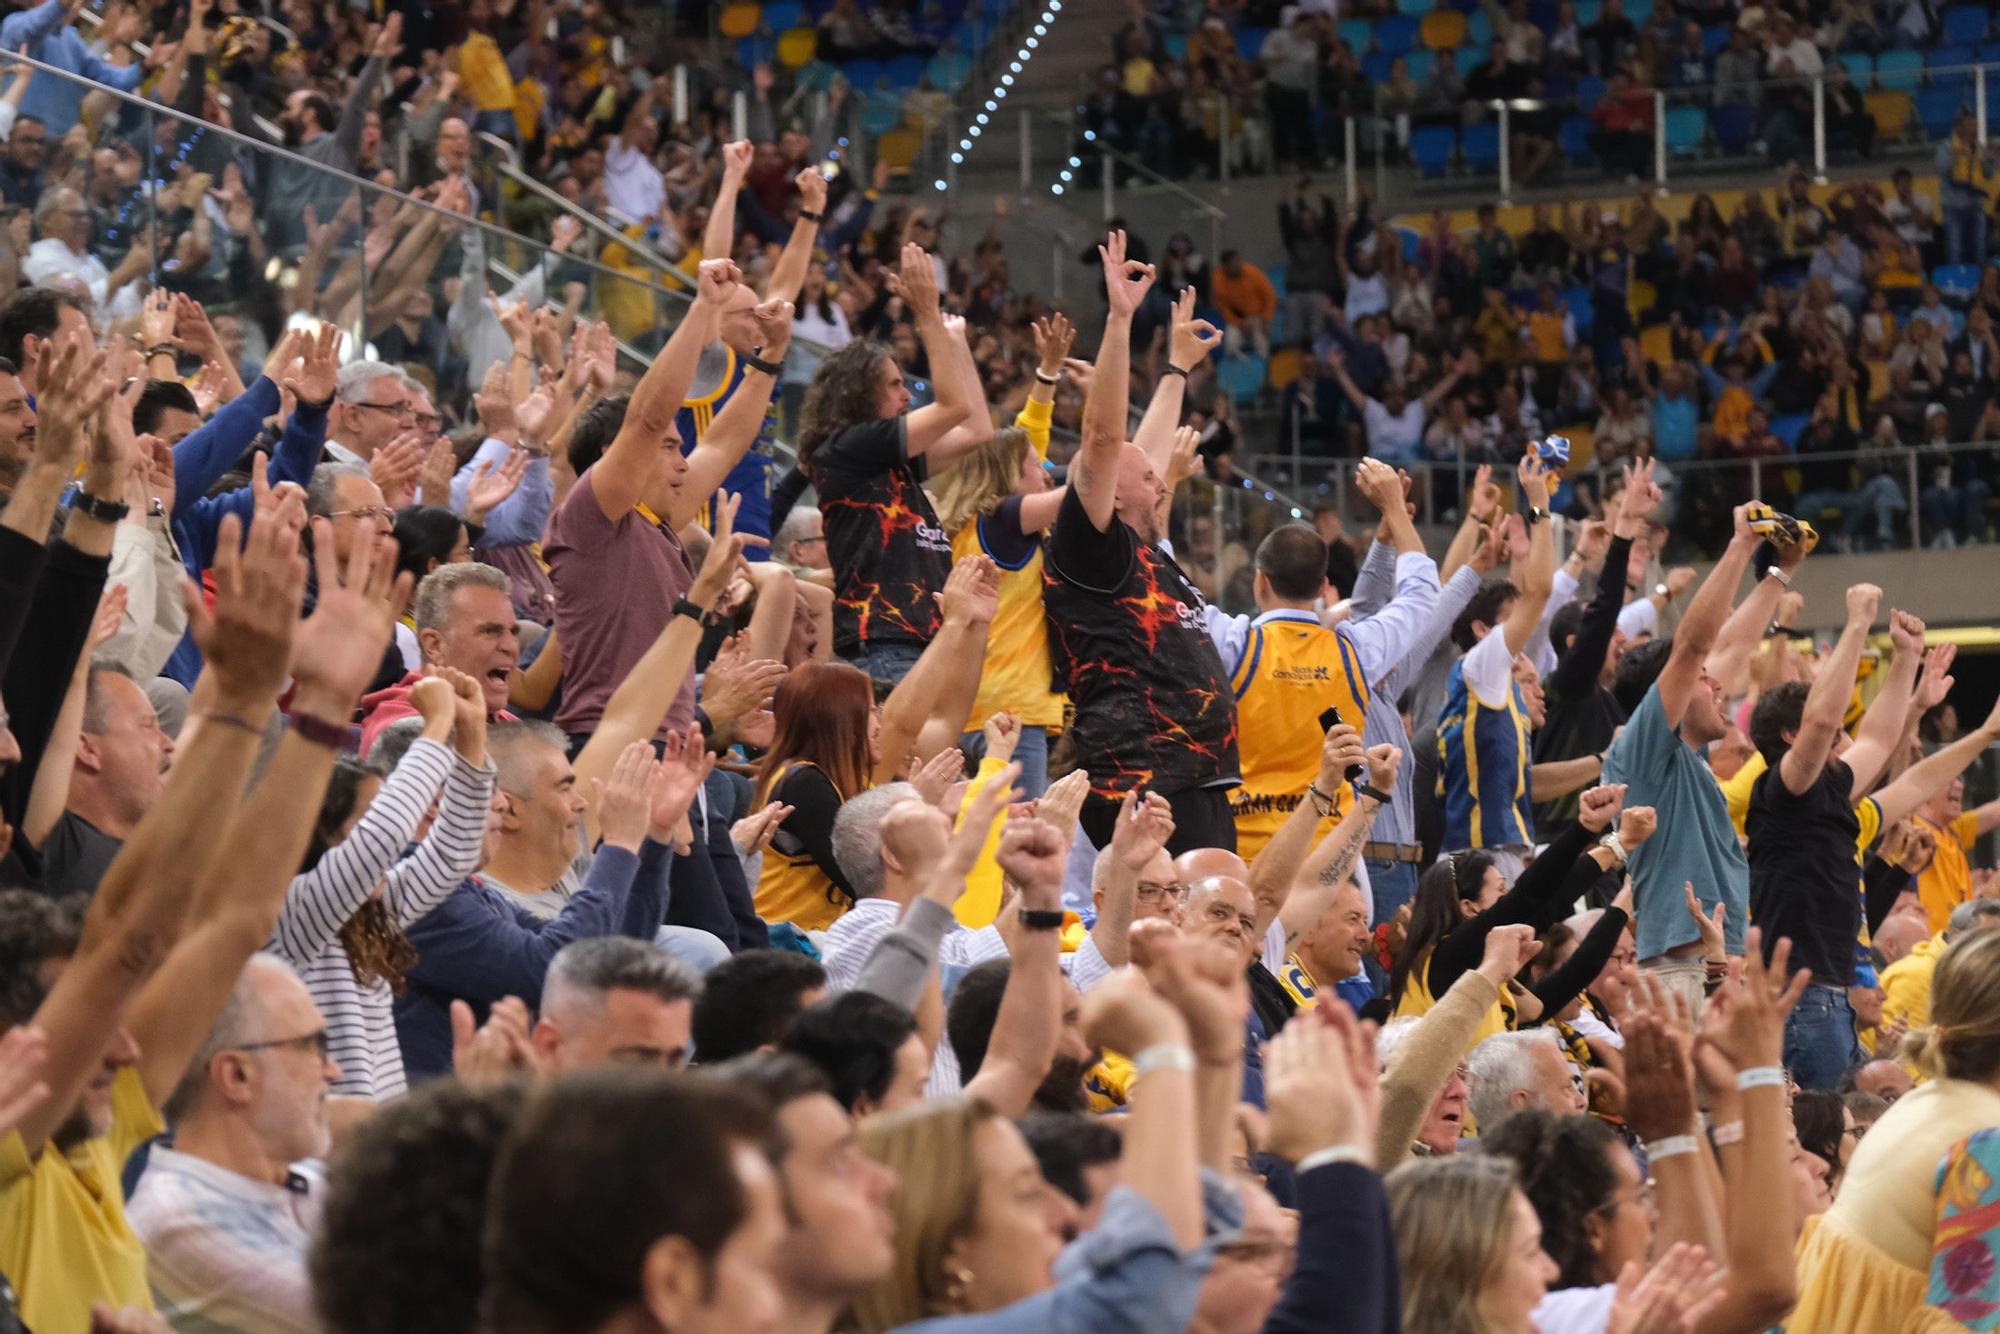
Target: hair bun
(1924,1048)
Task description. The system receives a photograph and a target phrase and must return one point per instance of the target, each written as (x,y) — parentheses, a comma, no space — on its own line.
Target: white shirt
(1489,669)
(50,258)
(1802,55)
(1576,1310)
(224,1251)
(1394,436)
(633,186)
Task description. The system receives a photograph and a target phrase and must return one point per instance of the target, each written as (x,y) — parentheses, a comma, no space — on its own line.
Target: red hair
(821,712)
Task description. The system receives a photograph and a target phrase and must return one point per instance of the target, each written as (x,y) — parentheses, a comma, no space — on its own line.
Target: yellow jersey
(1293,669)
(791,887)
(1018,675)
(64,1239)
(1417,1001)
(1947,881)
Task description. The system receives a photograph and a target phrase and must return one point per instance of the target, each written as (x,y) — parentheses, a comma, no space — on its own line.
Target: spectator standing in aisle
(1965,182)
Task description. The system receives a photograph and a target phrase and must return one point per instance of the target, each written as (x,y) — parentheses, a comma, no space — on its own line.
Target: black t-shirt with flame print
(888,551)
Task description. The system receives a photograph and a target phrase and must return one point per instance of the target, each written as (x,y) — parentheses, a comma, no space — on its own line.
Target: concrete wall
(1946,588)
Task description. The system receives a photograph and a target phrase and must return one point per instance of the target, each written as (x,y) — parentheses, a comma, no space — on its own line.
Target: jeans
(1879,498)
(1958,510)
(1031,752)
(1819,1038)
(1394,884)
(1964,234)
(700,950)
(889,662)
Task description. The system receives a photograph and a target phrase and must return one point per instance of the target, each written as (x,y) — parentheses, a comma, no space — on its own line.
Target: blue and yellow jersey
(791,887)
(1483,757)
(751,477)
(1417,1001)
(1293,669)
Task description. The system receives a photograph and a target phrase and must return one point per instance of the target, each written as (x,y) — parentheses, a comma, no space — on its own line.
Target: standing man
(1153,705)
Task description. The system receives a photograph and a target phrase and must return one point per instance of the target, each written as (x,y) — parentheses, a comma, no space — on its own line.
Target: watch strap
(694,612)
(757,363)
(1042,919)
(1372,793)
(810,216)
(106,511)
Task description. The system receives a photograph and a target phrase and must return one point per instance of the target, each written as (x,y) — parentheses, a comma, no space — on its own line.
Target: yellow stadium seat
(1442,30)
(798,47)
(1284,367)
(898,148)
(1641,297)
(1582,448)
(1891,111)
(740,19)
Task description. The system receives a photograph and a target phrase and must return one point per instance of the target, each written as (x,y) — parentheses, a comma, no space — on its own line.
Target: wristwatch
(1535,515)
(105,511)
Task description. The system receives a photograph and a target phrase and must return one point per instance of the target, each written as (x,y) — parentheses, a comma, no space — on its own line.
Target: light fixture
(940,185)
(1000,90)
(957,158)
(1065,174)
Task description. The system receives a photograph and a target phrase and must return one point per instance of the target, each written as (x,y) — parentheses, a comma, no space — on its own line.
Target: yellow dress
(1864,1264)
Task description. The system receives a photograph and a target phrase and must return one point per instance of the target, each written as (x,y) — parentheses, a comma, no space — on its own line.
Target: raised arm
(916,284)
(619,479)
(1537,578)
(939,684)
(788,275)
(718,239)
(1276,869)
(1826,702)
(1192,340)
(963,372)
(1094,470)
(1145,824)
(1331,864)
(1686,663)
(1921,780)
(1029,1022)
(1881,732)
(732,433)
(1336,360)
(138,908)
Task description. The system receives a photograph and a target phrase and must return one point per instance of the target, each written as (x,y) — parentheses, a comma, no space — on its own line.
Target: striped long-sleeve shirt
(360,1024)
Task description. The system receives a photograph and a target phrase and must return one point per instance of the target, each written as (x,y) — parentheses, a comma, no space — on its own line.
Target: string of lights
(998,94)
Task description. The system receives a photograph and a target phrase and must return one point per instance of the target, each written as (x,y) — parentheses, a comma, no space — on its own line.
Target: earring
(957,1287)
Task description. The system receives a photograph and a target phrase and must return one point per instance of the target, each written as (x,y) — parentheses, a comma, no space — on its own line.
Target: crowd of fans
(560,875)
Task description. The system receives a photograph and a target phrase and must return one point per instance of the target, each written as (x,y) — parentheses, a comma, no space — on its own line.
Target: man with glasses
(21,166)
(227,1213)
(345,494)
(63,251)
(372,405)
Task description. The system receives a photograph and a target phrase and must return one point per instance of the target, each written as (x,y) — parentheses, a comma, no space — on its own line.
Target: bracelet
(321,732)
(1174,370)
(757,363)
(1164,1056)
(1775,573)
(810,216)
(691,610)
(104,511)
(1670,1146)
(1047,379)
(1042,919)
(233,720)
(1760,1077)
(1335,1153)
(1322,802)
(1730,1132)
(1611,845)
(1374,794)
(162,350)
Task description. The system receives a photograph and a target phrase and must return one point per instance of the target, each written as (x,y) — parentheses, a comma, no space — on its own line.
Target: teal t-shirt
(1695,844)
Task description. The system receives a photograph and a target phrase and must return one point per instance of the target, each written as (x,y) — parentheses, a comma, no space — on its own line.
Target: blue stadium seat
(1937,108)
(1965,23)
(1587,12)
(1278,274)
(1789,427)
(756,49)
(1414,8)
(1241,377)
(1573,137)
(861,74)
(1357,33)
(950,69)
(1685,128)
(1431,148)
(1176,44)
(1716,36)
(1988,53)
(881,111)
(1639,11)
(782,15)
(1588,90)
(1544,14)
(1948,66)
(1481,146)
(1379,65)
(1395,34)
(1577,300)
(1957,281)
(1557,89)
(1249,41)
(904,72)
(1900,70)
(1419,64)
(1860,66)
(1478,29)
(1733,126)
(1468,58)
(1411,242)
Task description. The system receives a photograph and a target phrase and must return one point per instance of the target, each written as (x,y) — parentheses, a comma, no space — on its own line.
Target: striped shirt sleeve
(450,852)
(320,901)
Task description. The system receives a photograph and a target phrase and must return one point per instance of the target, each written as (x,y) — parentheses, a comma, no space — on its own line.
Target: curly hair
(375,945)
(843,393)
(399,1240)
(1565,1168)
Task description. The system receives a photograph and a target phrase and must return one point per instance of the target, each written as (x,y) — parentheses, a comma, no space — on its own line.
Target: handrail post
(1979,100)
(1916,491)
(1506,174)
(1819,130)
(1110,189)
(1659,139)
(739,113)
(1348,171)
(1027,151)
(680,94)
(1756,477)
(1222,151)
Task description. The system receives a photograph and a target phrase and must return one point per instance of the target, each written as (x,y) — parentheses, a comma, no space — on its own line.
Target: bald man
(1221,907)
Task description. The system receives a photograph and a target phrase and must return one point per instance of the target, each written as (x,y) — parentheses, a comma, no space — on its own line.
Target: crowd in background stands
(388,817)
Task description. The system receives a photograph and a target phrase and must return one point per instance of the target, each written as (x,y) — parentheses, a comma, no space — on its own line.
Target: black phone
(1328,719)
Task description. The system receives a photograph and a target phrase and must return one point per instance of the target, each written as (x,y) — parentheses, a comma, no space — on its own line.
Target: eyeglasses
(393,409)
(314,1042)
(1156,893)
(367,512)
(1645,1195)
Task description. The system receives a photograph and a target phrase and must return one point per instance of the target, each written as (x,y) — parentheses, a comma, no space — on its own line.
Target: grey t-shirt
(76,855)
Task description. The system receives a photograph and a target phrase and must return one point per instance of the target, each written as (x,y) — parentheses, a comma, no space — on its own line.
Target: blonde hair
(931,1147)
(1453,1218)
(977,483)
(1962,1040)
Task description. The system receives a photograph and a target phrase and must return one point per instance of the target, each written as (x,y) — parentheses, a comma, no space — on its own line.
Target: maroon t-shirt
(616,584)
